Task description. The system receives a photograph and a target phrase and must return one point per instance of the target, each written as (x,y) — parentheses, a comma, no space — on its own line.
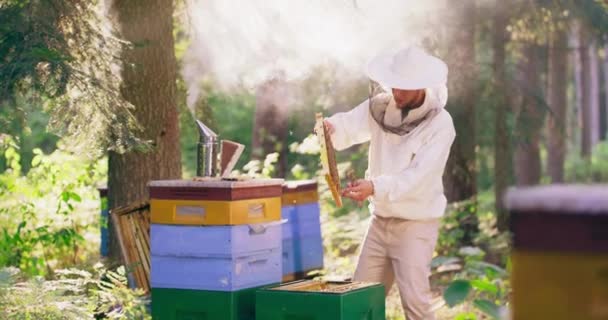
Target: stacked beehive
(302,242)
(213,244)
(560,252)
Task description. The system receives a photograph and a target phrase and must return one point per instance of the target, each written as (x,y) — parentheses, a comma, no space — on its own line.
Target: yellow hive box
(296,198)
(300,192)
(201,212)
(560,255)
(559,286)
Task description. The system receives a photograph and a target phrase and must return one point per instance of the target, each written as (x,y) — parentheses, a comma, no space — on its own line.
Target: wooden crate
(132,225)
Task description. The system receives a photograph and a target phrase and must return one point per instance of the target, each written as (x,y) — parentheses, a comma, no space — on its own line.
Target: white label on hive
(190,211)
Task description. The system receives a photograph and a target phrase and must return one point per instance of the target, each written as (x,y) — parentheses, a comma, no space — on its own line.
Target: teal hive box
(319,300)
(180,304)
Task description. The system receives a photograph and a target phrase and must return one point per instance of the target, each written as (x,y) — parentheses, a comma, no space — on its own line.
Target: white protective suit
(408,199)
(406,170)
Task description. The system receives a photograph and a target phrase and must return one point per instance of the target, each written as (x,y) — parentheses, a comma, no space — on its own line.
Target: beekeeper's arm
(352,127)
(429,161)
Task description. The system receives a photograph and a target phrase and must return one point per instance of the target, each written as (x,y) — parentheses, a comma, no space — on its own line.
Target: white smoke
(240,43)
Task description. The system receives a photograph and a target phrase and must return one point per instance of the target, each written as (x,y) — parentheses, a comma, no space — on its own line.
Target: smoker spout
(206,134)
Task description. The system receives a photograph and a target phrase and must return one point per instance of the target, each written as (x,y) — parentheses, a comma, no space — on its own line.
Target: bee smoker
(207,151)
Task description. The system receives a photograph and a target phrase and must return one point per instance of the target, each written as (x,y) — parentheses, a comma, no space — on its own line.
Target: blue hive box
(104,246)
(220,258)
(302,241)
(217,273)
(205,241)
(302,254)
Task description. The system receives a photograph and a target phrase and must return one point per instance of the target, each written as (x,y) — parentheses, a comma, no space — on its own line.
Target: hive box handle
(261,228)
(257,210)
(190,211)
(258,262)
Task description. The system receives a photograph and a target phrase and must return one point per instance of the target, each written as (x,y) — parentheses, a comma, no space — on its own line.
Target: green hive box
(318,300)
(180,304)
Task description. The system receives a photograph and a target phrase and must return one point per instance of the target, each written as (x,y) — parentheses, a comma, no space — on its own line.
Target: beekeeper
(410,137)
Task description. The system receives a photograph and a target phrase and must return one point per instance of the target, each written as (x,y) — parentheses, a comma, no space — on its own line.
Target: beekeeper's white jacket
(406,170)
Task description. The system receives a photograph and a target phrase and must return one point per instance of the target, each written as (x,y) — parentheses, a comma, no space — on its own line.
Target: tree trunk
(589,94)
(149,83)
(594,94)
(604,126)
(576,124)
(529,120)
(461,174)
(557,101)
(502,142)
(271,122)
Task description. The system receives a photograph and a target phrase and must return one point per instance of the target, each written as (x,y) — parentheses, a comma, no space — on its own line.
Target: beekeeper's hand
(329,126)
(359,190)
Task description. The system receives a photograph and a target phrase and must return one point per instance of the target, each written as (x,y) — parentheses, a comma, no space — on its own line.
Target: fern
(74,294)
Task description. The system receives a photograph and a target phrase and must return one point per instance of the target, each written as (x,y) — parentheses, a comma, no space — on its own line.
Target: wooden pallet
(132,225)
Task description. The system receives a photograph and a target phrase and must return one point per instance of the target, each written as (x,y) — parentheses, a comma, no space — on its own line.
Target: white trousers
(399,250)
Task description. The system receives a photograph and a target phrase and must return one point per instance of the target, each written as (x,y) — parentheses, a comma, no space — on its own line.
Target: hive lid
(215,189)
(559,218)
(554,199)
(216,183)
(299,186)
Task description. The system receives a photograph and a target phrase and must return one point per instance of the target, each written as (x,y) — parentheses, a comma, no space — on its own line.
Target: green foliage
(230,116)
(75,294)
(48,217)
(592,170)
(188,138)
(307,152)
(262,169)
(458,227)
(59,56)
(487,307)
(484,285)
(593,13)
(457,292)
(29,134)
(22,247)
(535,24)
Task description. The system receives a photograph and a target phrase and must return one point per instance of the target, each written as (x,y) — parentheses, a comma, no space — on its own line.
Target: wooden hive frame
(328,159)
(132,225)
